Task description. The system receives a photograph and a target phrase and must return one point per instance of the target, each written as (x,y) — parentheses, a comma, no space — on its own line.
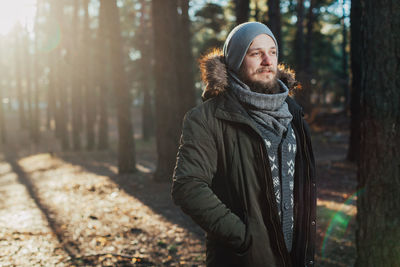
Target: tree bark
(378,202)
(126,144)
(168,120)
(242,10)
(355,28)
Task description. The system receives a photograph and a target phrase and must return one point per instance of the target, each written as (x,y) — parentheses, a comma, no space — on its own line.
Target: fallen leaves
(101,224)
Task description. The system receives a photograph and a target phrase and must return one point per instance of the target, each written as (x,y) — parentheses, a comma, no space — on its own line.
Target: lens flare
(339,223)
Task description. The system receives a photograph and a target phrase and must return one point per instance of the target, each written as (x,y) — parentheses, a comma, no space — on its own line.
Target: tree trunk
(257,12)
(103,141)
(126,143)
(185,63)
(309,41)
(146,63)
(345,71)
(28,78)
(275,24)
(61,83)
(18,78)
(165,19)
(101,77)
(51,96)
(57,14)
(147,112)
(303,96)
(378,202)
(355,27)
(75,80)
(299,38)
(87,83)
(242,10)
(36,72)
(306,71)
(3,137)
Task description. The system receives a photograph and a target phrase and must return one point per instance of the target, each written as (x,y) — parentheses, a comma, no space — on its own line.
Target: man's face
(259,66)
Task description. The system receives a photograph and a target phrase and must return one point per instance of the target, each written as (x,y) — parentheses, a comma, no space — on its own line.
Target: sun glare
(13,12)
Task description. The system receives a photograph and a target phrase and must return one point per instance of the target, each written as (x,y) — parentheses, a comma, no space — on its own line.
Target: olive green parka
(222,179)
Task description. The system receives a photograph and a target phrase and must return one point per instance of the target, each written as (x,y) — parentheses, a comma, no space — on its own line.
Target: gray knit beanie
(239,40)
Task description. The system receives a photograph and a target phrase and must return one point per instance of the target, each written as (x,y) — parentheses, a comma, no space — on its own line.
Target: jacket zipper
(308,188)
(276,233)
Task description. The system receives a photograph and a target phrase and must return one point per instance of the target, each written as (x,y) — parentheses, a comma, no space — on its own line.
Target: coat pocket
(248,239)
(258,252)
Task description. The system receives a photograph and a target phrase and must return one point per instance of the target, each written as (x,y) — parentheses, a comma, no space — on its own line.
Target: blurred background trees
(71,66)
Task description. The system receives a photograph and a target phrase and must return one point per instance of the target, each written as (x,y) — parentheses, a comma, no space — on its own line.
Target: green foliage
(326,58)
(209,27)
(326,53)
(212,16)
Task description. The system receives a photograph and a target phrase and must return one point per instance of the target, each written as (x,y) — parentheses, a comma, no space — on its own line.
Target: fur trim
(214,75)
(288,77)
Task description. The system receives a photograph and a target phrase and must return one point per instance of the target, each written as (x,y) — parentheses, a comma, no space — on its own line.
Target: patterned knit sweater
(282,153)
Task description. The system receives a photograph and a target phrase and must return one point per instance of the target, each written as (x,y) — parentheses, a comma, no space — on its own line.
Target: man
(245,167)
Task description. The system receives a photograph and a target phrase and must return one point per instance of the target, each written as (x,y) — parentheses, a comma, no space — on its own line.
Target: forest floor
(73,209)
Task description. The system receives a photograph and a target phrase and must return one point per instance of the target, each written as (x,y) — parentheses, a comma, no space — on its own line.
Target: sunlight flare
(339,223)
(13,12)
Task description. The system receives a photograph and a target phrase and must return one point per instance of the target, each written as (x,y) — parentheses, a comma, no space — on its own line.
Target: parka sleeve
(195,168)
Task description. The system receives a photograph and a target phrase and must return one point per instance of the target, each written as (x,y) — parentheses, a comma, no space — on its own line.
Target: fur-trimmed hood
(215,77)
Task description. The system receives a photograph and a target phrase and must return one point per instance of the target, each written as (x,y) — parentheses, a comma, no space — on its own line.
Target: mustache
(265,69)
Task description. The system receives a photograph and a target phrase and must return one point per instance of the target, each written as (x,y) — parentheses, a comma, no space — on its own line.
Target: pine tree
(378,202)
(126,143)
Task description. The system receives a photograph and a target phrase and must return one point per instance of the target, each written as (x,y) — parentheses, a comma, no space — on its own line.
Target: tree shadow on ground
(68,246)
(139,185)
(336,180)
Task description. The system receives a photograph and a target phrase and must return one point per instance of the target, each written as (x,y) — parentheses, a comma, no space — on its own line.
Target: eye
(273,52)
(255,54)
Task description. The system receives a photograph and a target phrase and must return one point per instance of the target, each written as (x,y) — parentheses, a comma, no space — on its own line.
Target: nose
(266,60)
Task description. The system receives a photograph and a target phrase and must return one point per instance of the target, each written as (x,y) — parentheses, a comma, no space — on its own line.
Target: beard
(262,87)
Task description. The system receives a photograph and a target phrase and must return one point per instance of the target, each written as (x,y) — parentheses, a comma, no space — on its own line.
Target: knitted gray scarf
(266,109)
